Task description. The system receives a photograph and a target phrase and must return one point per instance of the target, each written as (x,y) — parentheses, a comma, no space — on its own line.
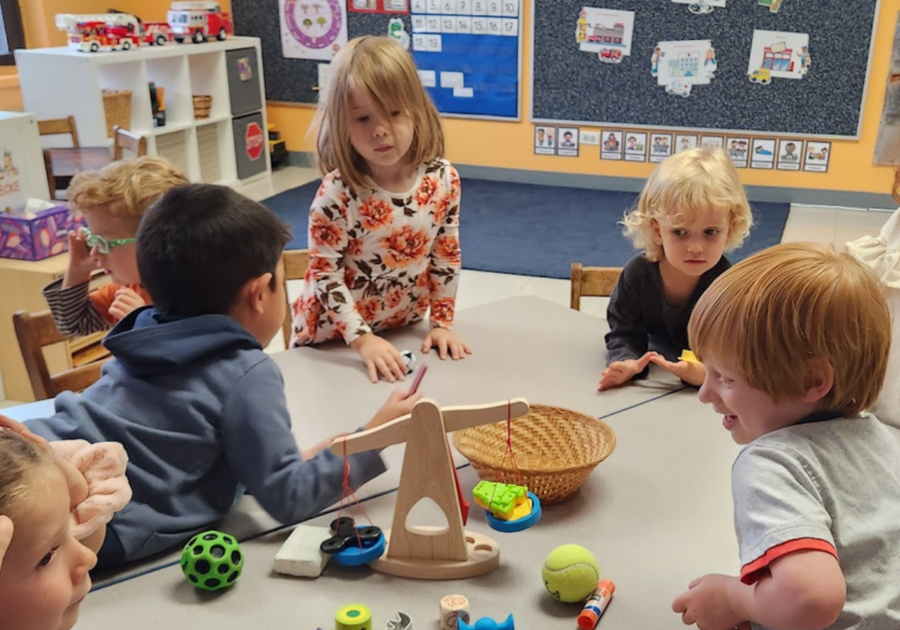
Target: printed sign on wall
(312,30)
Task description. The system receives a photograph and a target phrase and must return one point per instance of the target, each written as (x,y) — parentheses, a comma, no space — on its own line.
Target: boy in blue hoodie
(198,405)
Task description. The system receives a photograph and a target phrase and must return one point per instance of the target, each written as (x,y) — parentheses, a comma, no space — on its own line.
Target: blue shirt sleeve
(264,456)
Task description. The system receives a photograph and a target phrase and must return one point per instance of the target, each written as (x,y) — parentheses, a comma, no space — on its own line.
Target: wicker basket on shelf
(117,107)
(555,449)
(202,105)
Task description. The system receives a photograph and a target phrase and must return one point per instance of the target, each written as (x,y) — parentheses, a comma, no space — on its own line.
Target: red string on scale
(347,493)
(510,452)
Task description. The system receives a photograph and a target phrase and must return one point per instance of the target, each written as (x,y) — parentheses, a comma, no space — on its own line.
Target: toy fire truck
(97,36)
(156,33)
(93,32)
(199,21)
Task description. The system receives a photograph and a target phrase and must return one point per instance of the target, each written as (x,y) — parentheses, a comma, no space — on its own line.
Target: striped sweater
(77,311)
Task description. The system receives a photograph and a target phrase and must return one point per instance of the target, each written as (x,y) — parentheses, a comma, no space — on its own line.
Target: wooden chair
(56,126)
(592,282)
(62,163)
(295,263)
(125,139)
(35,331)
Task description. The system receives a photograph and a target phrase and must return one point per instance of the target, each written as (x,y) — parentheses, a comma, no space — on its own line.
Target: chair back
(54,126)
(295,263)
(35,331)
(592,282)
(128,141)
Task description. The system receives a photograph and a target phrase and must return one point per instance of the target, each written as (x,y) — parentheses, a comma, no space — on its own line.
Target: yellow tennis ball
(570,573)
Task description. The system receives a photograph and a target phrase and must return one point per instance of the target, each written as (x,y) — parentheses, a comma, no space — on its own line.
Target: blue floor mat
(539,230)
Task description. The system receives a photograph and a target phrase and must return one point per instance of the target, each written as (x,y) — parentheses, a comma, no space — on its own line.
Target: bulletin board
(575,87)
(468,74)
(477,42)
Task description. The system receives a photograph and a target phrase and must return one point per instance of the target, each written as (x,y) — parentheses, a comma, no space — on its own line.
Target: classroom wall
(510,145)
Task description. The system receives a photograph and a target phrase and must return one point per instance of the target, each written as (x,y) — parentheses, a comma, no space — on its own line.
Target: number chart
(469,55)
(469,52)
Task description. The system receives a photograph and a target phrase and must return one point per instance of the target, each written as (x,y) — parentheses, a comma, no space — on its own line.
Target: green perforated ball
(212,561)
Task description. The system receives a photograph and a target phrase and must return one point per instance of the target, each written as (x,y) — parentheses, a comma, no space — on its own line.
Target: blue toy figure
(486,623)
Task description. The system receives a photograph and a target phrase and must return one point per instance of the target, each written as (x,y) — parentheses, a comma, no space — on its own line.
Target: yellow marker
(687,355)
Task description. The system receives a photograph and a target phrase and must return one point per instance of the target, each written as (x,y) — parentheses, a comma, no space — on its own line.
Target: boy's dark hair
(199,244)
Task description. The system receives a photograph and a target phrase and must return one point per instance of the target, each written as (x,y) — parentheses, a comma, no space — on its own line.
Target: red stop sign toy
(254,141)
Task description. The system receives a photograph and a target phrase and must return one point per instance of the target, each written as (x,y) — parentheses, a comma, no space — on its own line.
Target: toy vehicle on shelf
(69,21)
(199,20)
(97,36)
(157,33)
(93,32)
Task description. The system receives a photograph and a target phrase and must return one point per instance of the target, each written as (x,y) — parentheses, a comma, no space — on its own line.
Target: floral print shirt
(380,260)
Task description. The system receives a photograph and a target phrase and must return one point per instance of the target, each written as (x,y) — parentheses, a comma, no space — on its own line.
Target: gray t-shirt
(833,484)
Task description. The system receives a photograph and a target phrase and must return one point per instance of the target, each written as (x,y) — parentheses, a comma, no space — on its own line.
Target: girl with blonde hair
(692,210)
(384,226)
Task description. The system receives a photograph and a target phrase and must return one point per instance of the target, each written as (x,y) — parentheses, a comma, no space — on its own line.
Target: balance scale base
(484,556)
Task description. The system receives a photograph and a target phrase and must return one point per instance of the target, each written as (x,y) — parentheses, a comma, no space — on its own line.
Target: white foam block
(300,554)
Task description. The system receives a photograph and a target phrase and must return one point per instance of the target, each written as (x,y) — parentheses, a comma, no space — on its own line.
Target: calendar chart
(468,53)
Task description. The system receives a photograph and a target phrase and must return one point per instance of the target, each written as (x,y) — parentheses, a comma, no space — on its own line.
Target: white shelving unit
(60,82)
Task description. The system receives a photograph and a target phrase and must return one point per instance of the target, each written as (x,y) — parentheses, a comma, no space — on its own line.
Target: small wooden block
(454,608)
(300,554)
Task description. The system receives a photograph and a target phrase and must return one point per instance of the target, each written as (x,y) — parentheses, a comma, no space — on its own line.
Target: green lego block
(505,497)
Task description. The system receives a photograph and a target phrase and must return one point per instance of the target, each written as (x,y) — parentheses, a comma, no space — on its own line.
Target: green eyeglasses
(102,243)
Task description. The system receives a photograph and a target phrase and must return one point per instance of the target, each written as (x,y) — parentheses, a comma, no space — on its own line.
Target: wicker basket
(202,105)
(117,106)
(555,448)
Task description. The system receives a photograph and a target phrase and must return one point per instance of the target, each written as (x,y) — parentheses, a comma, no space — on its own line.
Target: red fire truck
(198,21)
(96,36)
(156,33)
(111,31)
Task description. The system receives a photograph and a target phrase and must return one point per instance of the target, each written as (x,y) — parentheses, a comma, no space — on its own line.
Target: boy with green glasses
(113,201)
(103,244)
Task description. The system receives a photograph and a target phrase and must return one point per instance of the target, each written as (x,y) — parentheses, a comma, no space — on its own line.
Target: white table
(656,514)
(523,346)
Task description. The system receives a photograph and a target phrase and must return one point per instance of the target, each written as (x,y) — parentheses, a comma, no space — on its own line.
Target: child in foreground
(47,547)
(198,405)
(795,341)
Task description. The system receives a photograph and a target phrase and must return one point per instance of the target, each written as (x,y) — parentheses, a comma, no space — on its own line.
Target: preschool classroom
(555,113)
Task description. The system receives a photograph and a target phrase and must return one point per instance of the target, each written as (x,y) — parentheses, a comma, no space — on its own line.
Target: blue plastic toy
(344,545)
(507,507)
(486,623)
(356,556)
(518,524)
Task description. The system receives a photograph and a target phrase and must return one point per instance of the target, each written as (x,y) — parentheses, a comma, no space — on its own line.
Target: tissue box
(38,236)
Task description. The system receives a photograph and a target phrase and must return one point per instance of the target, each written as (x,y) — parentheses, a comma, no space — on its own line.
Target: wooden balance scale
(431,553)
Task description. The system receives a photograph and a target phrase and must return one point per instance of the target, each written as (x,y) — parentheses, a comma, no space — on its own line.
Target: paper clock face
(313,23)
